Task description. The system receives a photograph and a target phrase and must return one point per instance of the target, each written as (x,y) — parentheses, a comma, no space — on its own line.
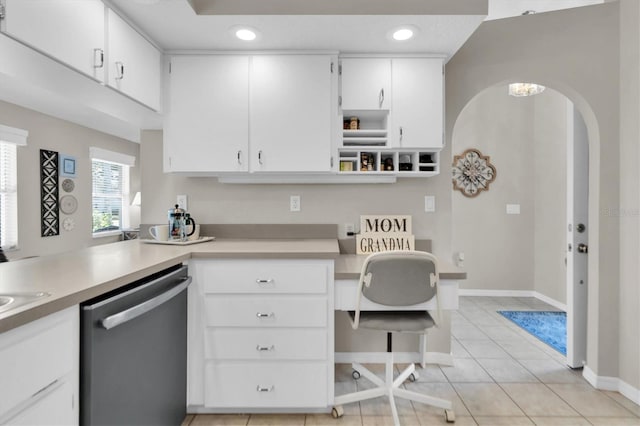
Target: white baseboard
(400,357)
(611,384)
(512,293)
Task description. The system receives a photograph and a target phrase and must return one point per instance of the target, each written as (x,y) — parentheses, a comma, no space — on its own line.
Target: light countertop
(348,267)
(77,276)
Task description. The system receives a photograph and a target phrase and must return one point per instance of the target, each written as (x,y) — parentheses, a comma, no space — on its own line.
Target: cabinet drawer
(272,344)
(53,407)
(263,311)
(35,355)
(264,276)
(262,385)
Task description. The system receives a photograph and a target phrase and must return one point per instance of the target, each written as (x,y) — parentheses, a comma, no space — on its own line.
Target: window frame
(126,162)
(10,139)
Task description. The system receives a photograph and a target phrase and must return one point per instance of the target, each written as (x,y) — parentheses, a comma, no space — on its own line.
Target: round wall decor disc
(68,204)
(68,185)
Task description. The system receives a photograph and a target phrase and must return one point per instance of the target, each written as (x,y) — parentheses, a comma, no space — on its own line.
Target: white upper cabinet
(207,122)
(70,31)
(134,63)
(366,83)
(417,104)
(290,109)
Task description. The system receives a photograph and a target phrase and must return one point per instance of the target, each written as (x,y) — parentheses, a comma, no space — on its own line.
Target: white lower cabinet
(266,384)
(39,371)
(268,345)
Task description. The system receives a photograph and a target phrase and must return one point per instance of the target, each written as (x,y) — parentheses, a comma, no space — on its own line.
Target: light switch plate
(181,200)
(429,203)
(513,208)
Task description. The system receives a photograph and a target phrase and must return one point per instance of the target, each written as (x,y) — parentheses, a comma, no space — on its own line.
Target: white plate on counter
(179,243)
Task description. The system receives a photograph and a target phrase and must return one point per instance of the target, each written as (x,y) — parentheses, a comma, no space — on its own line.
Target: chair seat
(395,321)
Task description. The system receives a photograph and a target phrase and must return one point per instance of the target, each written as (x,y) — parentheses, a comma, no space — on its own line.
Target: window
(10,138)
(110,193)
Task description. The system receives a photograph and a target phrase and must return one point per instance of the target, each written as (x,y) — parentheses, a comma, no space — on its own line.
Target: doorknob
(583,248)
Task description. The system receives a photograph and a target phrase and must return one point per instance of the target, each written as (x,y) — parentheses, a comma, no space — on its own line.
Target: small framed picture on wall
(67,166)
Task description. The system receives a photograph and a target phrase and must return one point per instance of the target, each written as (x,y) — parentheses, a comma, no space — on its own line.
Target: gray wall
(629,212)
(46,132)
(213,202)
(550,194)
(526,141)
(575,52)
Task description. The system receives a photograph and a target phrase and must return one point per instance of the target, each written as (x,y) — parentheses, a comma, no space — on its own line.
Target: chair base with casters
(395,279)
(390,387)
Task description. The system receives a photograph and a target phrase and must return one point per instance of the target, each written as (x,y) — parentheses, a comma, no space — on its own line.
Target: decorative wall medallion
(68,204)
(68,185)
(472,172)
(68,224)
(49,215)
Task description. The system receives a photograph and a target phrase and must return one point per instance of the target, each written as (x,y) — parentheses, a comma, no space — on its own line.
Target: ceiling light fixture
(525,89)
(402,34)
(244,33)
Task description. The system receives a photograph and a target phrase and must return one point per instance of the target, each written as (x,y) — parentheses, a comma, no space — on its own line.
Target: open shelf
(371,131)
(385,161)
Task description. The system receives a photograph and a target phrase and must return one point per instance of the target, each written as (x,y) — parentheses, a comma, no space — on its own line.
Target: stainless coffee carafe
(178,222)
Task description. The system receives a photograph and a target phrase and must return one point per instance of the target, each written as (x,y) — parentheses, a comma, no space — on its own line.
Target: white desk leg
(439,343)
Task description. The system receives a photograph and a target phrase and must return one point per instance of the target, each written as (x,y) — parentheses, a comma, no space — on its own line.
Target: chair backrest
(399,278)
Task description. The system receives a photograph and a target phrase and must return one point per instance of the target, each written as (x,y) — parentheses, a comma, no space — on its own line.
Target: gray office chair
(396,278)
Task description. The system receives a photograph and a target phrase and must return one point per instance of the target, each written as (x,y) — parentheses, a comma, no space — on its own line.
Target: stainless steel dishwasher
(133,353)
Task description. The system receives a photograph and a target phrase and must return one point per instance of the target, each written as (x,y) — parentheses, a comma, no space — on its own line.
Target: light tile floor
(502,376)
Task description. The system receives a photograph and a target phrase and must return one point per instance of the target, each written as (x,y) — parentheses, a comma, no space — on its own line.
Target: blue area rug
(550,327)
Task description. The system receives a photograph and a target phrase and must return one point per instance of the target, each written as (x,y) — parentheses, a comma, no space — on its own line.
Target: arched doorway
(531,142)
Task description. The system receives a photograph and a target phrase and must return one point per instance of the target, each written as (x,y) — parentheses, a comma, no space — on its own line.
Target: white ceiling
(174,25)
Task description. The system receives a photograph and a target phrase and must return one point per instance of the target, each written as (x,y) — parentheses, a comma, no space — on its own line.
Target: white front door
(577,237)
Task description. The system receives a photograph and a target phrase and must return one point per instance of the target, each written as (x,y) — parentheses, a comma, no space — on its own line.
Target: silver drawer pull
(261,389)
(265,348)
(261,281)
(263,315)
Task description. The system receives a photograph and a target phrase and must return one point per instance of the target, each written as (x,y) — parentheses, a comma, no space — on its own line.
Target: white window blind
(8,196)
(110,194)
(10,138)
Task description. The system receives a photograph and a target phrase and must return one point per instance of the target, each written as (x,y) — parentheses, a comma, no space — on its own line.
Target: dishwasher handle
(134,312)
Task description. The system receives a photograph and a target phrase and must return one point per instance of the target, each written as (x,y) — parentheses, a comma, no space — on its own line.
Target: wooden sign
(384,233)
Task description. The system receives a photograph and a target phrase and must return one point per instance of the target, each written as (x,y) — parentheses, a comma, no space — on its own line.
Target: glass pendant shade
(525,89)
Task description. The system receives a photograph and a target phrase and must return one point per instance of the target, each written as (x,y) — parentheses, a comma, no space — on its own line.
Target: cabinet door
(54,406)
(134,63)
(417,107)
(207,125)
(290,113)
(69,30)
(366,83)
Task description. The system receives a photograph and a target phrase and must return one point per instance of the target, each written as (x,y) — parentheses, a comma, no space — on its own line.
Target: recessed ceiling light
(244,32)
(403,33)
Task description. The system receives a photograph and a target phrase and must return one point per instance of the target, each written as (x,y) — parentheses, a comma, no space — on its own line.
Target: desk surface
(348,267)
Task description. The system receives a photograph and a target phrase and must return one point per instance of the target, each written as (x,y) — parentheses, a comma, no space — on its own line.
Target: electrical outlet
(429,203)
(349,229)
(294,203)
(181,201)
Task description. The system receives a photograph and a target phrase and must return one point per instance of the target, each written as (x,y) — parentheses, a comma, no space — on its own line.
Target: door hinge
(339,69)
(339,101)
(332,161)
(169,67)
(331,67)
(2,11)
